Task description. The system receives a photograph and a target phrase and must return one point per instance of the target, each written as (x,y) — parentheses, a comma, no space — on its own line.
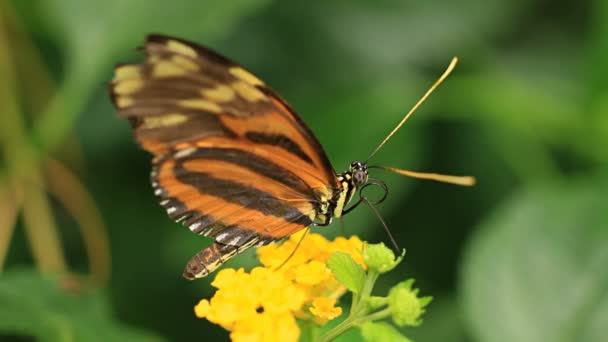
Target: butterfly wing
(232,160)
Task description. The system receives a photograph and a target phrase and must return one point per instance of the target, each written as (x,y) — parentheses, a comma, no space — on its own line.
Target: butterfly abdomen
(212,257)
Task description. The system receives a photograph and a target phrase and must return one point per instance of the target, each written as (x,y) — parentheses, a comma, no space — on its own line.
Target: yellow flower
(202,308)
(267,327)
(311,273)
(324,309)
(263,304)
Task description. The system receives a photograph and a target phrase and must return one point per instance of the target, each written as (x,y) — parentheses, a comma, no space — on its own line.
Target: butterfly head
(358,171)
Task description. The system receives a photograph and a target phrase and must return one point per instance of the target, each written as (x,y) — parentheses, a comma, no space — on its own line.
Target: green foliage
(402,302)
(95,34)
(381,332)
(38,307)
(524,111)
(346,271)
(536,271)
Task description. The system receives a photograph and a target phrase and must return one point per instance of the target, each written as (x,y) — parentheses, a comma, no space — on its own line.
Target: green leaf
(597,121)
(347,271)
(537,270)
(444,322)
(34,306)
(381,332)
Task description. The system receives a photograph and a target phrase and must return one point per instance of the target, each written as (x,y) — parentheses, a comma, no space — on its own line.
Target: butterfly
(232,160)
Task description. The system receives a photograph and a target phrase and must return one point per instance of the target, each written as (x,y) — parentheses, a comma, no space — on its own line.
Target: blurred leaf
(597,73)
(347,271)
(351,335)
(38,307)
(536,270)
(95,34)
(442,322)
(381,332)
(512,97)
(380,38)
(95,31)
(597,69)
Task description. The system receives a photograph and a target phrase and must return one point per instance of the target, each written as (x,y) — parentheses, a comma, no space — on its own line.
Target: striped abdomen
(210,258)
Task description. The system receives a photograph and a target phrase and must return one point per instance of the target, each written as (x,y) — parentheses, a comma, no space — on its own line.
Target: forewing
(233,161)
(187,94)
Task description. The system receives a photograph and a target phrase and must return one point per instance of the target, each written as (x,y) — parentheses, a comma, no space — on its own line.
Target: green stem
(366,290)
(23,168)
(337,330)
(368,285)
(310,331)
(373,316)
(352,322)
(358,310)
(10,203)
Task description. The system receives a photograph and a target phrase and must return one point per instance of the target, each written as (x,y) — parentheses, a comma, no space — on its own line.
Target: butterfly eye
(359,172)
(360,177)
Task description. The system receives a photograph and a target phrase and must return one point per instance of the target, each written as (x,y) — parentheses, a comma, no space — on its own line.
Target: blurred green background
(523,256)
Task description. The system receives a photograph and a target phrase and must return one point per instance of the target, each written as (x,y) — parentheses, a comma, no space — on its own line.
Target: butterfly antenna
(457,180)
(388,232)
(421,101)
(294,250)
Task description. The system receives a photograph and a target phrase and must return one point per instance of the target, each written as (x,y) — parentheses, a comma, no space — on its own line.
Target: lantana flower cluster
(263,304)
(304,286)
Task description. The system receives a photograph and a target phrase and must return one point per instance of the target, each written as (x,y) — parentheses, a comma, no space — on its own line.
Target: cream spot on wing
(194,225)
(181,48)
(221,236)
(164,120)
(124,101)
(245,75)
(127,71)
(221,93)
(185,153)
(185,63)
(202,105)
(247,91)
(128,86)
(235,241)
(166,68)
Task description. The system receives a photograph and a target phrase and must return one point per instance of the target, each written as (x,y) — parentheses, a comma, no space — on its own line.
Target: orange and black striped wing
(232,160)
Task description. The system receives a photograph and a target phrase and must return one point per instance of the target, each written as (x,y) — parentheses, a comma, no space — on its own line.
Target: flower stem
(23,168)
(358,311)
(310,331)
(352,322)
(337,330)
(368,285)
(373,316)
